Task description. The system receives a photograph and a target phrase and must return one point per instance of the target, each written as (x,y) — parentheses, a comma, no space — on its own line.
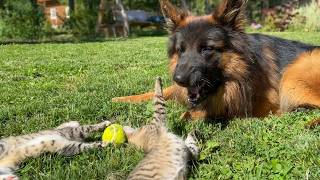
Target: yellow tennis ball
(114,134)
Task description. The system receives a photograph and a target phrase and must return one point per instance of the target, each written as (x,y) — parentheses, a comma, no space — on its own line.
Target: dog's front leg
(194,115)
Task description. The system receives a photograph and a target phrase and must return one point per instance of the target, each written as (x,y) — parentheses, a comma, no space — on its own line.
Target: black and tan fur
(167,155)
(66,139)
(221,71)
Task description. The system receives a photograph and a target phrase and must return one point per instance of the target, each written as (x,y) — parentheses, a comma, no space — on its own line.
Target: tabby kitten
(167,154)
(66,139)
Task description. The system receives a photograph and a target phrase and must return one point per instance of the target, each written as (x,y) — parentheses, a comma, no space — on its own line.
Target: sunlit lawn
(44,85)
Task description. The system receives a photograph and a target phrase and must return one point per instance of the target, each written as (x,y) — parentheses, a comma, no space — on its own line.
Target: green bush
(308,18)
(269,24)
(21,20)
(81,24)
(1,27)
(83,21)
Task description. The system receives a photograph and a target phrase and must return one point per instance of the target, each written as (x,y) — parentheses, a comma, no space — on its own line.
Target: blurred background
(73,20)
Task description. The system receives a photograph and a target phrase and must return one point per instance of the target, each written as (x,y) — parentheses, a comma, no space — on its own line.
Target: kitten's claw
(106,123)
(104,144)
(101,144)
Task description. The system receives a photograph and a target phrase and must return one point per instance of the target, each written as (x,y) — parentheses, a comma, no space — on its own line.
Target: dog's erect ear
(230,13)
(172,14)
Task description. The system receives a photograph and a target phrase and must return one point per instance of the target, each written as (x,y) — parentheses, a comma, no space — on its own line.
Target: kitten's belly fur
(168,160)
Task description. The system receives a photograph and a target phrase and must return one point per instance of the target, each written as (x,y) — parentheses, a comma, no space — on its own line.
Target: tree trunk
(124,17)
(71,6)
(102,8)
(184,4)
(207,8)
(318,2)
(264,5)
(36,18)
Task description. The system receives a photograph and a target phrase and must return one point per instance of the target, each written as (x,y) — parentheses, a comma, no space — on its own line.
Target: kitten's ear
(231,13)
(172,14)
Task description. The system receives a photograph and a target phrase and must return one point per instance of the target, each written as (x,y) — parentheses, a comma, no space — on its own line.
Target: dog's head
(202,47)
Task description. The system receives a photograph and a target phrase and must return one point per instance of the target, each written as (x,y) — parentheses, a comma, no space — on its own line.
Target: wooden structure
(55,12)
(121,20)
(117,28)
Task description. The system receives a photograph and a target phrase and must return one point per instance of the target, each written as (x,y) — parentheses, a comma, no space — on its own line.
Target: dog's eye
(181,50)
(206,50)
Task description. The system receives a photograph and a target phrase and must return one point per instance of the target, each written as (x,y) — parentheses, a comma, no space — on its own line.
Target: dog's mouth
(197,94)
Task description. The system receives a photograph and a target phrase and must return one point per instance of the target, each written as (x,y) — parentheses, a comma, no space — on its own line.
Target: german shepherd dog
(219,71)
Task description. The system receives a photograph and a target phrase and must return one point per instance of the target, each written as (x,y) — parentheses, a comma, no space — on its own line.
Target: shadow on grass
(224,122)
(66,38)
(57,41)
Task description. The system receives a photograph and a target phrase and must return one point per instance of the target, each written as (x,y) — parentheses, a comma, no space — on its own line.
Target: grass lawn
(44,85)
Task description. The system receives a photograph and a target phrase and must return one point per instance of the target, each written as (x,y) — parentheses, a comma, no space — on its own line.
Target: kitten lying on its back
(167,154)
(66,139)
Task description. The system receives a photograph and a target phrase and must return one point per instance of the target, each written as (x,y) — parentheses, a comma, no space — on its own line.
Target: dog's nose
(182,81)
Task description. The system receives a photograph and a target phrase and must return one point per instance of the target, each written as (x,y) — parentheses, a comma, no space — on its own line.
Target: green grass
(44,85)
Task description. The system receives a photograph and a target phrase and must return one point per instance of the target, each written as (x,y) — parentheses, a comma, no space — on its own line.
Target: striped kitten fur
(66,139)
(167,155)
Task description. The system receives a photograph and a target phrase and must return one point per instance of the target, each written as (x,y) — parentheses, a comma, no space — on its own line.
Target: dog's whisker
(207,82)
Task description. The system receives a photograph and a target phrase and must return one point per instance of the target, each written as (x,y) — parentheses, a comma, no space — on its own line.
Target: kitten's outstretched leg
(81,132)
(191,143)
(75,147)
(47,143)
(95,127)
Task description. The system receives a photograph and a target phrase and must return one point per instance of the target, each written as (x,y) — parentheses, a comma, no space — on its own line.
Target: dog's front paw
(119,99)
(186,116)
(193,115)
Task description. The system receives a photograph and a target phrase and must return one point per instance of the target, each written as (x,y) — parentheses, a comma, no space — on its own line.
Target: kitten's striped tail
(159,115)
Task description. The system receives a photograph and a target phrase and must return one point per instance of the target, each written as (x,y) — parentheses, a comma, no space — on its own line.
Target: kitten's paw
(107,123)
(192,143)
(104,144)
(9,177)
(128,130)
